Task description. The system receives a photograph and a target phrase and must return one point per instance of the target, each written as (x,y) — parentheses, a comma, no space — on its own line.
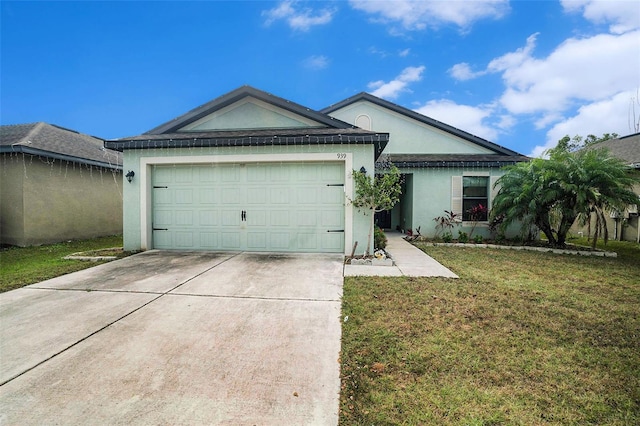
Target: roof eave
(379,140)
(57,156)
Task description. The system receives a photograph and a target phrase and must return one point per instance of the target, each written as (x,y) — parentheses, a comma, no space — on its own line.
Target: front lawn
(522,338)
(27,265)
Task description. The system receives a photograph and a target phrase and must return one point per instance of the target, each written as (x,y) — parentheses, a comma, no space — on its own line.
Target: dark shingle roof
(261,137)
(234,96)
(626,148)
(52,141)
(455,160)
(421,118)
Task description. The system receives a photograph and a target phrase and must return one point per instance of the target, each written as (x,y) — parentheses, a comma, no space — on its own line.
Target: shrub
(447,237)
(478,239)
(379,239)
(463,237)
(446,222)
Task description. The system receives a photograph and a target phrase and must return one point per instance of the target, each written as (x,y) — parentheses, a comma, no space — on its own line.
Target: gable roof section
(626,148)
(51,141)
(329,131)
(230,98)
(363,96)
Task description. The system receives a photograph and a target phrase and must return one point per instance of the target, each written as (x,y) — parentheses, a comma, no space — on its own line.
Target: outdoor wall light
(130,175)
(363,170)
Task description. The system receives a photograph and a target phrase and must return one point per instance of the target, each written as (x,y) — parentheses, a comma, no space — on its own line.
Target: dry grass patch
(521,338)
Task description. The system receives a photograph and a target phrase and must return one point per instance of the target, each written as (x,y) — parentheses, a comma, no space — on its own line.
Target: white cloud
(622,16)
(404,53)
(578,71)
(465,117)
(514,59)
(301,20)
(462,72)
(421,14)
(610,115)
(316,62)
(393,88)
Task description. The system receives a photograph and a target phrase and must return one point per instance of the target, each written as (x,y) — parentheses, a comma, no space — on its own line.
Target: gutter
(63,157)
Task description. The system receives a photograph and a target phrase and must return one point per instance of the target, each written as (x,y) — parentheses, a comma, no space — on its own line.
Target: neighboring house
(622,226)
(252,171)
(57,184)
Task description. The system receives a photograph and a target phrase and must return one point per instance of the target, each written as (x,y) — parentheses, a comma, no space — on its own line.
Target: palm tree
(551,194)
(604,184)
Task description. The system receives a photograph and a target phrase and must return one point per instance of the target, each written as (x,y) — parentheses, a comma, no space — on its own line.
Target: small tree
(378,193)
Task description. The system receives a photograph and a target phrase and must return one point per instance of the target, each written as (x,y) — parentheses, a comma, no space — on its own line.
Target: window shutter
(493,191)
(456,195)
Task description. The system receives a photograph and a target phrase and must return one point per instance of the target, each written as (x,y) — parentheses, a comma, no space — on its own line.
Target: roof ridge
(36,129)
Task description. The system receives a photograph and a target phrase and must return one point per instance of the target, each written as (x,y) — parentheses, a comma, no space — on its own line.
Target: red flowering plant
(477,213)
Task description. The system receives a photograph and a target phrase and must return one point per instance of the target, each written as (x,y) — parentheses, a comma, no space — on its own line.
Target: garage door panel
(332,242)
(279,218)
(184,239)
(331,219)
(230,241)
(307,195)
(231,218)
(307,218)
(289,207)
(230,196)
(307,241)
(163,239)
(209,218)
(183,196)
(257,241)
(209,240)
(208,196)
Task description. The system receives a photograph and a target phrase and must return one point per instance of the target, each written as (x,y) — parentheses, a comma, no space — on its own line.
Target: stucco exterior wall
(137,193)
(11,203)
(430,193)
(61,201)
(407,135)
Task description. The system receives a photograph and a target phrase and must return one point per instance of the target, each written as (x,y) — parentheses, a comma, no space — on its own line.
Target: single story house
(252,171)
(57,184)
(624,225)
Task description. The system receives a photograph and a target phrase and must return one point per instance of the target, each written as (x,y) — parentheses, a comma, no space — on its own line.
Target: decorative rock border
(528,248)
(371,262)
(81,256)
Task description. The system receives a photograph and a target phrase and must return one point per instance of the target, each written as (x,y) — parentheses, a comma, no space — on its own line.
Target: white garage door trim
(146,164)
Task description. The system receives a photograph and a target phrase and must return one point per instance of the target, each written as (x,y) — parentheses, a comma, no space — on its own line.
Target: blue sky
(520,73)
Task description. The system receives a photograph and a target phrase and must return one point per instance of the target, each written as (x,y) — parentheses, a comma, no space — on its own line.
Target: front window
(475,198)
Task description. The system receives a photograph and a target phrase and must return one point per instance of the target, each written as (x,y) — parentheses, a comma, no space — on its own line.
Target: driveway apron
(176,338)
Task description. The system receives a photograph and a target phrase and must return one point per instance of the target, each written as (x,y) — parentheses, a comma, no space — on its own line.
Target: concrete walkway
(409,261)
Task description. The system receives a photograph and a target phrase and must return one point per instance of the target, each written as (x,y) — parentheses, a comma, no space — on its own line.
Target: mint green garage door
(279,207)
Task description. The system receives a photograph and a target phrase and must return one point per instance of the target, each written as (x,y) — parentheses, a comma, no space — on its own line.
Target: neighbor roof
(246,91)
(363,96)
(626,148)
(48,140)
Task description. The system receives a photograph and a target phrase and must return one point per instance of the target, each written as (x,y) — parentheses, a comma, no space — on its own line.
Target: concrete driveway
(176,338)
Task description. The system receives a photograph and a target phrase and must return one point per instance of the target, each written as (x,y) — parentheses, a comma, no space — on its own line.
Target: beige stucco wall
(60,201)
(624,229)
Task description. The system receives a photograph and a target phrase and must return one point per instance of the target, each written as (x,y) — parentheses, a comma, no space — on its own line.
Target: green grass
(522,338)
(27,265)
